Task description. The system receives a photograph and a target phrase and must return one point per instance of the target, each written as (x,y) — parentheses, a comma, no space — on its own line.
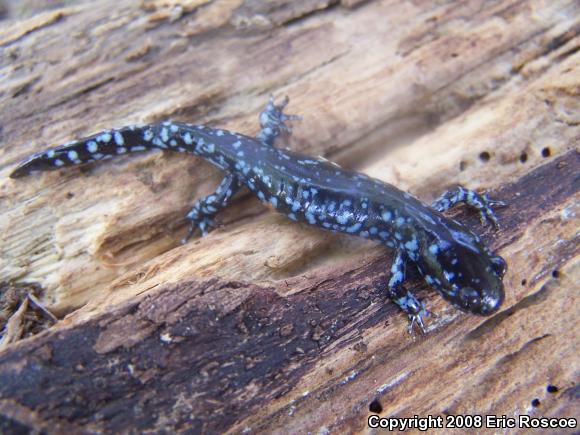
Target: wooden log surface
(266,325)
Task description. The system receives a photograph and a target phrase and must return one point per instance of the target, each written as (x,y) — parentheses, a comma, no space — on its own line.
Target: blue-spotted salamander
(450,257)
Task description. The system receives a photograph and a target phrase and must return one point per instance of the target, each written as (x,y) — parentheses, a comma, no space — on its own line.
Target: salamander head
(464,272)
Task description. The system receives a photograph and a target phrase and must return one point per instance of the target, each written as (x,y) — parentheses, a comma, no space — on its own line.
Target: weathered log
(265,324)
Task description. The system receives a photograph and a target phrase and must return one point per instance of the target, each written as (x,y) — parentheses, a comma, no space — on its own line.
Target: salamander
(449,256)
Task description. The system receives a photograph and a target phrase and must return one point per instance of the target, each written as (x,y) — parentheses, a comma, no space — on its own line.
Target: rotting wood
(234,331)
(181,354)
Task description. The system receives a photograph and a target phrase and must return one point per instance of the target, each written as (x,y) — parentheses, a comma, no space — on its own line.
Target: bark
(267,325)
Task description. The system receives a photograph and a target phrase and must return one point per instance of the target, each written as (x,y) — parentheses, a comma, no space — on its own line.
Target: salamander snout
(483,302)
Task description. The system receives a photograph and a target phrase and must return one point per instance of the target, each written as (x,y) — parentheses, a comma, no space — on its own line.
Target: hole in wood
(552,389)
(536,403)
(376,407)
(484,156)
(556,273)
(546,152)
(523,157)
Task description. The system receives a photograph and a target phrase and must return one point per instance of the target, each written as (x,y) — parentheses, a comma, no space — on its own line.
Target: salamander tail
(103,145)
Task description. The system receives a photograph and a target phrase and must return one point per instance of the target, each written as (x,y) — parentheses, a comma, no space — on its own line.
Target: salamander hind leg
(273,121)
(481,203)
(406,300)
(202,213)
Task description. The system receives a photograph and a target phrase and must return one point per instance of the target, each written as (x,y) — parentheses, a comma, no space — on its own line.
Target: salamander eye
(499,265)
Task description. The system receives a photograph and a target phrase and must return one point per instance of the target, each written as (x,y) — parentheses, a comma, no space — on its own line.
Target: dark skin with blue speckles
(450,257)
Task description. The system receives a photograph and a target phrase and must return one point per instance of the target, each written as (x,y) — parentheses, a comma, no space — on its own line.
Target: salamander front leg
(460,194)
(202,214)
(404,298)
(273,121)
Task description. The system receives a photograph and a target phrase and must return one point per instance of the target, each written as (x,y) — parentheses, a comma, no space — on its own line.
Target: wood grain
(267,325)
